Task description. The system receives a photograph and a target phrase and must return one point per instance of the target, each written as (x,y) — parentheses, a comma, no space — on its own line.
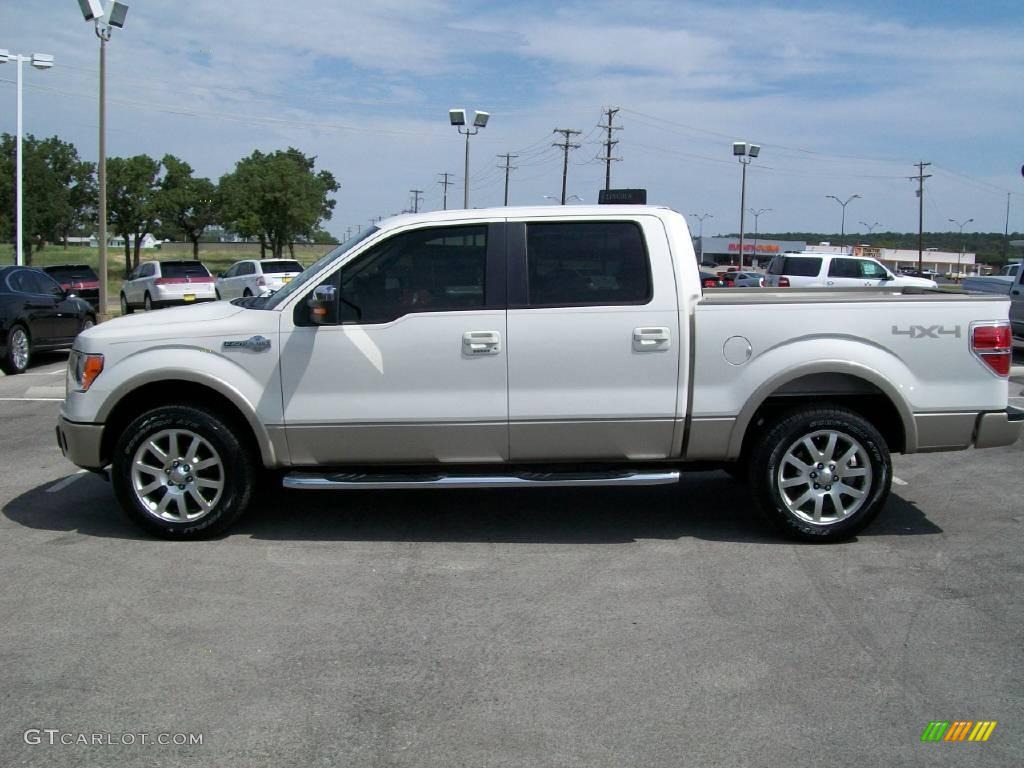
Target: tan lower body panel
(944,431)
(453,442)
(599,440)
(708,439)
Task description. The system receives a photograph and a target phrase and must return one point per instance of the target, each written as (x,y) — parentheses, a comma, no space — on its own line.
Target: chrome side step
(311,481)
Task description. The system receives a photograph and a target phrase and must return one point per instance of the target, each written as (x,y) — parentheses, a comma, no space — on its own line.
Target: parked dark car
(36,315)
(710,280)
(79,279)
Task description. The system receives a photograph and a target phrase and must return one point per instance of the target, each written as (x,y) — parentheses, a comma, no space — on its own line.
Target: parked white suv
(155,284)
(823,270)
(256,277)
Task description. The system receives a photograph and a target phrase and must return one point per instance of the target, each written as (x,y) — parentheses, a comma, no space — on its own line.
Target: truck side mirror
(323,305)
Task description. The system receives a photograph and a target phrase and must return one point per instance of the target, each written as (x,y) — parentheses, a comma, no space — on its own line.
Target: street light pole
(959,256)
(39,61)
(757,215)
(457,117)
(870,227)
(842,231)
(700,218)
(744,152)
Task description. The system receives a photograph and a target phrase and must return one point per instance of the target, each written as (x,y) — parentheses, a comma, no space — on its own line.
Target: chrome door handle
(481,343)
(648,339)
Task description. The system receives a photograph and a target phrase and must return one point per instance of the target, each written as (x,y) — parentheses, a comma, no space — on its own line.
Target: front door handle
(481,343)
(649,339)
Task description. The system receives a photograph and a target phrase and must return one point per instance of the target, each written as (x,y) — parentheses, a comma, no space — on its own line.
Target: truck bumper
(80,443)
(1001,428)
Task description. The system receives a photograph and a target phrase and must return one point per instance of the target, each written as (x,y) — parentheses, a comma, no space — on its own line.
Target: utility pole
(348,233)
(921,176)
(565,146)
(1006,231)
(608,144)
(416,195)
(507,167)
(444,190)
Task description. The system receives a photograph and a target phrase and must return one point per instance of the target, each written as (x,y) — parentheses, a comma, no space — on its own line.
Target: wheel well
(856,394)
(175,391)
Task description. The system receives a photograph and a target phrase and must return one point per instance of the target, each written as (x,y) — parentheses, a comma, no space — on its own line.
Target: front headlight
(83,369)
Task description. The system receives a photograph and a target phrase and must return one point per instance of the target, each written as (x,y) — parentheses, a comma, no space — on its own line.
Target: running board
(309,481)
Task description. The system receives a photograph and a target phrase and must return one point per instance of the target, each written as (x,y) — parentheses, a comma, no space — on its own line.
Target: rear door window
(801,266)
(590,263)
(844,268)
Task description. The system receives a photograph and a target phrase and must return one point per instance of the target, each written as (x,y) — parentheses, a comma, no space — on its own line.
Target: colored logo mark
(958,730)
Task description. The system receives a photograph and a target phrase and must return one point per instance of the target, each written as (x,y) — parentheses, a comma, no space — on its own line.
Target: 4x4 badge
(927,331)
(253,343)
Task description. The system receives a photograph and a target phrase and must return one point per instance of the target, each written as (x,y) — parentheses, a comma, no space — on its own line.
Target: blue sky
(844,97)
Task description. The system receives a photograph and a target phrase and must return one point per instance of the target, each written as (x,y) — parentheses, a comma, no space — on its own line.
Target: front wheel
(126,308)
(147,303)
(181,472)
(19,351)
(821,474)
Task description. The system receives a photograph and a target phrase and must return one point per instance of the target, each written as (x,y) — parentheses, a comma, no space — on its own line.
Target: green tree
(277,197)
(133,191)
(59,191)
(186,204)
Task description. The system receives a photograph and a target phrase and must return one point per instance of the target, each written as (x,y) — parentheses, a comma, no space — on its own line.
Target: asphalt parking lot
(633,627)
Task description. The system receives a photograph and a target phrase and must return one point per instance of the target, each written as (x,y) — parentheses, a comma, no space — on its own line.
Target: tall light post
(104,20)
(757,215)
(39,61)
(457,117)
(959,256)
(700,217)
(745,153)
(870,227)
(842,230)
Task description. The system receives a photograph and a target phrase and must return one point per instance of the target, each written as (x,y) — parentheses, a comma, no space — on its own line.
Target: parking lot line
(31,399)
(898,481)
(60,485)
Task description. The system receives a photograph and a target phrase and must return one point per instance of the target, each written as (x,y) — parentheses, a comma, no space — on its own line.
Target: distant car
(36,315)
(709,265)
(710,280)
(823,270)
(79,279)
(155,284)
(744,279)
(256,277)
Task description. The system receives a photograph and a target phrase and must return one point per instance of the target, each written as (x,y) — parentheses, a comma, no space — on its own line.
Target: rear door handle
(648,339)
(481,343)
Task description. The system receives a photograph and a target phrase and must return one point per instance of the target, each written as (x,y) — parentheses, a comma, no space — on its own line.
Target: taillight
(783,282)
(709,283)
(164,280)
(261,282)
(992,343)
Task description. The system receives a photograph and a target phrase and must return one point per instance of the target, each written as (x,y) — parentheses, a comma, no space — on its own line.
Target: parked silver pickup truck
(534,347)
(1010,281)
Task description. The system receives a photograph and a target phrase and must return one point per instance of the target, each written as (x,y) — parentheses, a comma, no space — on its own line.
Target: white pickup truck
(533,347)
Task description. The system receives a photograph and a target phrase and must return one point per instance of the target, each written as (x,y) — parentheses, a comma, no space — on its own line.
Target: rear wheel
(19,351)
(147,302)
(87,323)
(821,474)
(126,308)
(247,293)
(181,472)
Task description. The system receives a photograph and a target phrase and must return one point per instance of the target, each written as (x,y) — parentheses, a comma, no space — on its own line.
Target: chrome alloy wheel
(19,348)
(824,477)
(177,476)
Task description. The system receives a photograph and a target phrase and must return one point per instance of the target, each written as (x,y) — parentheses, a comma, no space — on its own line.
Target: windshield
(276,298)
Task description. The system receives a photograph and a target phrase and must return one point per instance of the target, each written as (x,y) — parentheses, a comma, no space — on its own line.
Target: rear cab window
(587,263)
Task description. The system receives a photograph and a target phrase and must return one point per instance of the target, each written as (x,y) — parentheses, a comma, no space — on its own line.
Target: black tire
(147,302)
(237,470)
(126,308)
(87,322)
(216,292)
(12,362)
(780,455)
(246,293)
